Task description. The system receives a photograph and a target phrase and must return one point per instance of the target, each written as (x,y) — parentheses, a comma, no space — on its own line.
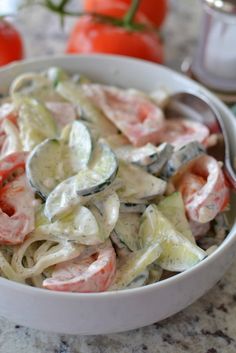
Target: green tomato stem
(60,9)
(129,16)
(63,4)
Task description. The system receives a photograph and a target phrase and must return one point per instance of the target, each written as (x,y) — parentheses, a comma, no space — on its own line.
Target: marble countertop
(208,325)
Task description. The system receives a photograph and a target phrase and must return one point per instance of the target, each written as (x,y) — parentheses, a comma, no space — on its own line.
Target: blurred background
(43,35)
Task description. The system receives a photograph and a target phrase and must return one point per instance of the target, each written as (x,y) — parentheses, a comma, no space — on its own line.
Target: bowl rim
(226,243)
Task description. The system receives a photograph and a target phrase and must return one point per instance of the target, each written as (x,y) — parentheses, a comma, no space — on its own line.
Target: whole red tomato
(92,36)
(154,10)
(11,46)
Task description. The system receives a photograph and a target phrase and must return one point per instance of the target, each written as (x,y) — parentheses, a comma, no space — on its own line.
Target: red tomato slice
(92,274)
(16,211)
(204,189)
(133,114)
(179,132)
(16,200)
(12,165)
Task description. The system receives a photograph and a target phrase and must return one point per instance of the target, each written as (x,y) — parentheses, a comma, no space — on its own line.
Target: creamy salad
(99,191)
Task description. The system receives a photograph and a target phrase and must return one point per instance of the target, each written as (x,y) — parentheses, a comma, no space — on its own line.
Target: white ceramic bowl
(101,313)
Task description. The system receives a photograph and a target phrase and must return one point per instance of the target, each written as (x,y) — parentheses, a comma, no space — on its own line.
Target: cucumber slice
(139,184)
(42,167)
(128,207)
(164,153)
(140,155)
(35,122)
(89,112)
(77,148)
(77,189)
(181,158)
(149,157)
(155,273)
(172,207)
(127,229)
(80,225)
(109,207)
(40,218)
(120,247)
(178,253)
(134,264)
(53,160)
(139,281)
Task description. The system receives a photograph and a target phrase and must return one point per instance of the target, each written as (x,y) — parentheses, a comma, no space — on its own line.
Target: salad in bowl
(99,191)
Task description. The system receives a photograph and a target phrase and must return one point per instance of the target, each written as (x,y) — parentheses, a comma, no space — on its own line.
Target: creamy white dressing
(84,186)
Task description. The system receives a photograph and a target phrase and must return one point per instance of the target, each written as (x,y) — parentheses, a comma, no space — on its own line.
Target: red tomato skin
(11,45)
(117,9)
(154,10)
(92,36)
(10,164)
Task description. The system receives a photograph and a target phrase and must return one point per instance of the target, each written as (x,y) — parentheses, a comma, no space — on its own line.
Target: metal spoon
(198,107)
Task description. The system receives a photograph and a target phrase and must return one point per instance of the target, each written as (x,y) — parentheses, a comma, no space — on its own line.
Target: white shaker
(214,63)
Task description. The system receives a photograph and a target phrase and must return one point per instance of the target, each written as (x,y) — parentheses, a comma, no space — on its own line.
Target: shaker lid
(226,6)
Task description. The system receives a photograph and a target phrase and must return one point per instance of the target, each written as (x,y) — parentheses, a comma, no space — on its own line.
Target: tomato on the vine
(154,10)
(91,35)
(11,46)
(117,10)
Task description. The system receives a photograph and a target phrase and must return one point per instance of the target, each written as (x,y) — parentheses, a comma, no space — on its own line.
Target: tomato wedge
(204,190)
(91,274)
(12,165)
(179,132)
(16,200)
(134,114)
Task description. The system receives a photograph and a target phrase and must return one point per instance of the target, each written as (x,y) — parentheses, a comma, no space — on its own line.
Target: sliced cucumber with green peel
(35,122)
(88,111)
(149,157)
(139,184)
(42,166)
(128,207)
(54,160)
(80,225)
(178,253)
(40,218)
(109,207)
(77,148)
(155,273)
(120,247)
(127,230)
(138,155)
(139,281)
(181,158)
(172,207)
(100,173)
(135,264)
(164,153)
